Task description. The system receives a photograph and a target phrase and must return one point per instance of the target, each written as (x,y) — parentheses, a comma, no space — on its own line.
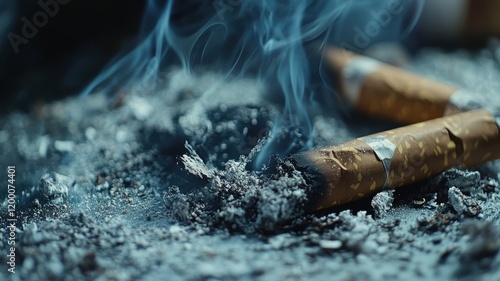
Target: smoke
(266,38)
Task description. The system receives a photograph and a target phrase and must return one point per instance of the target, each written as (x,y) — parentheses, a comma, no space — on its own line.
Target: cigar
(377,89)
(388,160)
(469,20)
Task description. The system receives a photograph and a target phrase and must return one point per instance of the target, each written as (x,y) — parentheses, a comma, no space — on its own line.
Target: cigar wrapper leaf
(377,89)
(391,159)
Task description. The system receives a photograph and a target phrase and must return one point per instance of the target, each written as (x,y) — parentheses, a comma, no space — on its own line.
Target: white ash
(463,204)
(55,187)
(466,181)
(43,146)
(64,146)
(90,133)
(493,184)
(194,164)
(330,244)
(382,202)
(236,198)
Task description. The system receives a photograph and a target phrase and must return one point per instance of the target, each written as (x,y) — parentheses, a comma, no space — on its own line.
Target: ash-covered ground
(156,183)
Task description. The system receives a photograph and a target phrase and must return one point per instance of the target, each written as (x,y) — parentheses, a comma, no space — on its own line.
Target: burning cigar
(361,167)
(377,89)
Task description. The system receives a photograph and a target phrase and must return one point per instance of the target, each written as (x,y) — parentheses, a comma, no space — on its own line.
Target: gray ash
(55,187)
(237,198)
(382,202)
(141,204)
(463,204)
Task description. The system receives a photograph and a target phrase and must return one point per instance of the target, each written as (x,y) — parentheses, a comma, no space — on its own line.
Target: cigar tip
(304,162)
(302,159)
(316,180)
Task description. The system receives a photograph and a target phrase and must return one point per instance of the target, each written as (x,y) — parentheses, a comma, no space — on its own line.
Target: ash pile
(155,182)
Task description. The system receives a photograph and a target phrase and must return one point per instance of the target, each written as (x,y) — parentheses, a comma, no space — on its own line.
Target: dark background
(77,43)
(67,52)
